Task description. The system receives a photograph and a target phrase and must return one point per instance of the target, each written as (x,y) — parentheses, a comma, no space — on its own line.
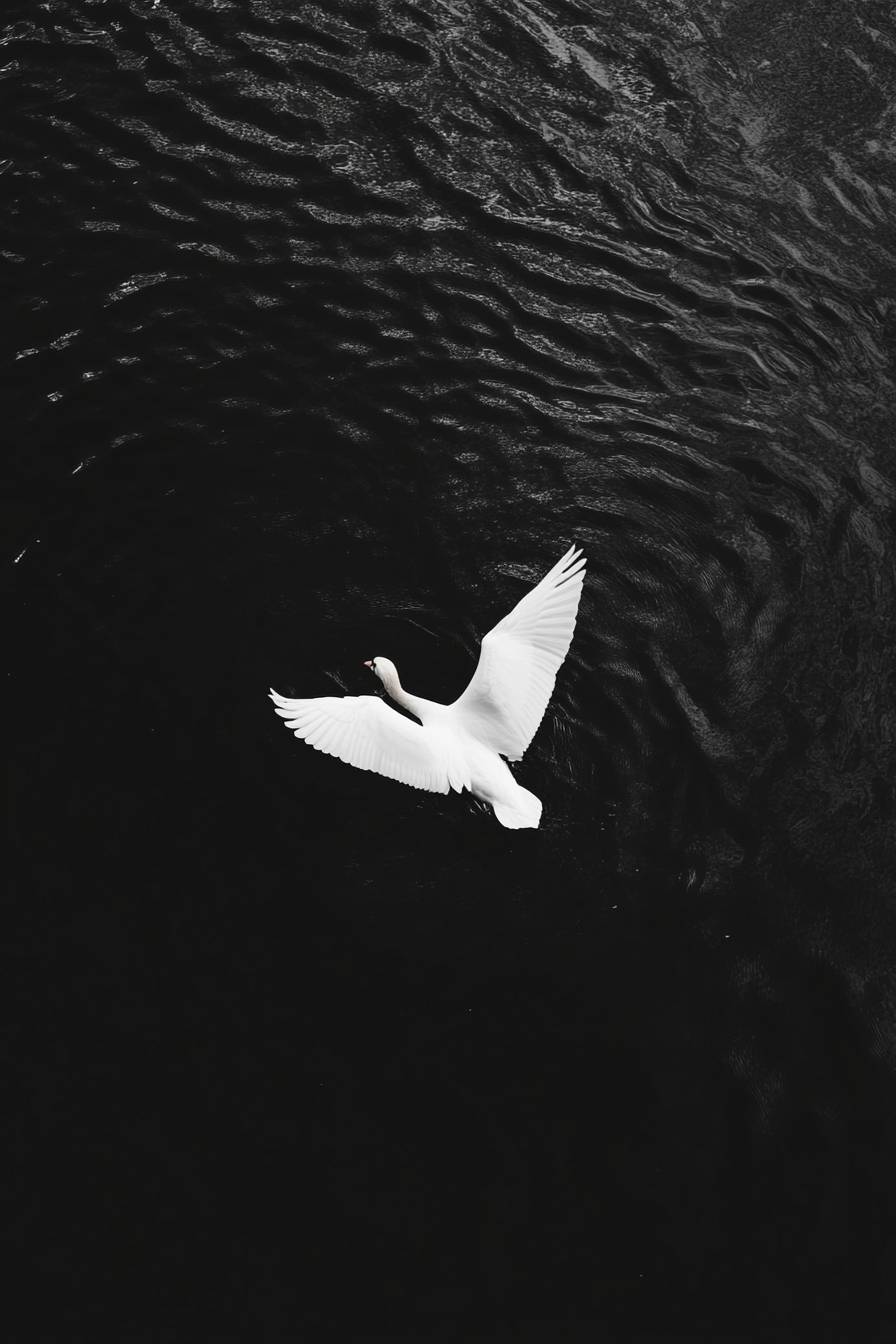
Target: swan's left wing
(364,732)
(518,662)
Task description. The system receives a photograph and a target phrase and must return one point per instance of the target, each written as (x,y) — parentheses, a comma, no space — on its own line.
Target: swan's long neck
(396,692)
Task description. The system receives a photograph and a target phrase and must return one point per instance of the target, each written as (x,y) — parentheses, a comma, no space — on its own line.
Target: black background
(329,329)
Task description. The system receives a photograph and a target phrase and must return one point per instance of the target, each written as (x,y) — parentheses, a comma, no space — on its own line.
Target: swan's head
(384,669)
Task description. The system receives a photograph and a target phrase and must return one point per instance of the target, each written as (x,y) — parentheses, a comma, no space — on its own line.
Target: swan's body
(461,745)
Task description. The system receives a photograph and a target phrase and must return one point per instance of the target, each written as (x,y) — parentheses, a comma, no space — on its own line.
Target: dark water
(329,329)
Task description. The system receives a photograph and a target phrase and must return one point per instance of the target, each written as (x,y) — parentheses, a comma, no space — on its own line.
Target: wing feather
(363,731)
(519,660)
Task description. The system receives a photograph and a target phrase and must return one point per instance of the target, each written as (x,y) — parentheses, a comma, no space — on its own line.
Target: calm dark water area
(328,329)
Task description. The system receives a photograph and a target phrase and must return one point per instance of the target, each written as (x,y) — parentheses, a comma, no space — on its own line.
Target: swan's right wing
(519,660)
(362,731)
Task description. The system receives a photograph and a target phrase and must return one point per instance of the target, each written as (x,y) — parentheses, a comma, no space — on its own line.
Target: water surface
(328,329)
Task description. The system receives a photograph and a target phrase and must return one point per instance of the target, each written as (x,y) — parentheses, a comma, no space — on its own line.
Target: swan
(462,745)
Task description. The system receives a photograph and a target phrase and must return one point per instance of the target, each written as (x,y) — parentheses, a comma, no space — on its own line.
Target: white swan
(460,746)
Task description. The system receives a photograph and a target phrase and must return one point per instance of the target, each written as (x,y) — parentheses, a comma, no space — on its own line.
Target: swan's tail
(523,812)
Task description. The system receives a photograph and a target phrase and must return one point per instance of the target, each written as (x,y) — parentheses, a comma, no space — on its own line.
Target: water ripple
(425,291)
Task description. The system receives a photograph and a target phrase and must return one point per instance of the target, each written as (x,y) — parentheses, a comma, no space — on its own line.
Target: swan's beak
(370,665)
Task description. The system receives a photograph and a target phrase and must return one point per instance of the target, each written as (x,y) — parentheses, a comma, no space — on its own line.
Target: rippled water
(329,328)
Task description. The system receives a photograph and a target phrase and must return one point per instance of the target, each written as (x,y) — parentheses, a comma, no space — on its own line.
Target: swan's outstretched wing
(362,731)
(518,662)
